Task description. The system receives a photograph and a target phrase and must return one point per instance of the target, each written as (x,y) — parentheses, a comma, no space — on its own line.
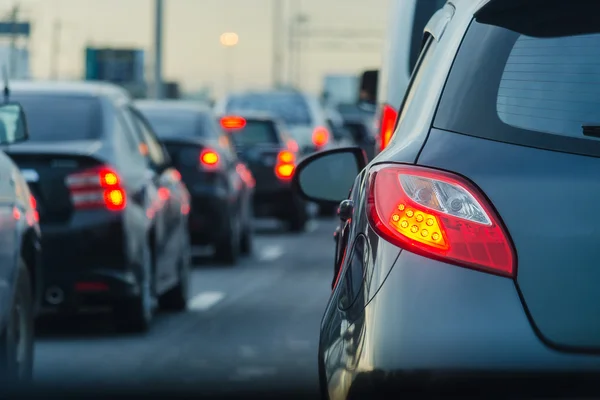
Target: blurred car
(301,113)
(220,188)
(407,20)
(453,258)
(20,257)
(335,124)
(271,155)
(112,209)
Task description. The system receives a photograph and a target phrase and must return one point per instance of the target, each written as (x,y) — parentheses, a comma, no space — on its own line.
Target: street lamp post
(229,40)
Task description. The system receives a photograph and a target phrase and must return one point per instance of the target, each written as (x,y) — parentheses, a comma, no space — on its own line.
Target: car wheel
(176,299)
(228,249)
(247,239)
(17,340)
(135,314)
(299,218)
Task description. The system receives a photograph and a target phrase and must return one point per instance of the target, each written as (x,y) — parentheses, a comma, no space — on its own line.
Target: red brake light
(98,187)
(209,159)
(438,215)
(233,122)
(33,204)
(292,146)
(388,123)
(320,137)
(286,165)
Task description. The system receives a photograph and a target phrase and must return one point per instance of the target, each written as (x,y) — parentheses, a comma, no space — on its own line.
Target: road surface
(252,326)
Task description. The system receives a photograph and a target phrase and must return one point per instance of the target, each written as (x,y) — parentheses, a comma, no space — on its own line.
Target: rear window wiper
(591,130)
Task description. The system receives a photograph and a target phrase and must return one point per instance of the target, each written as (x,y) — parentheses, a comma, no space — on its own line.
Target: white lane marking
(205,300)
(270,253)
(312,226)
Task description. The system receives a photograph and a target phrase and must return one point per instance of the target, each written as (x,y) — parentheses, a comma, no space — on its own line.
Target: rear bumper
(436,324)
(90,248)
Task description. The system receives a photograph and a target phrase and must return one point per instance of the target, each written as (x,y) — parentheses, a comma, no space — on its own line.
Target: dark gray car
(469,247)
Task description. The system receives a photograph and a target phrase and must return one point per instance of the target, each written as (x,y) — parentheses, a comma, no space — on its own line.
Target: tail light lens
(320,137)
(245,174)
(33,204)
(98,187)
(387,125)
(286,165)
(209,159)
(438,215)
(232,122)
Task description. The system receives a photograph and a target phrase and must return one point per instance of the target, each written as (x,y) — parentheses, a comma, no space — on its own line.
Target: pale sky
(193,54)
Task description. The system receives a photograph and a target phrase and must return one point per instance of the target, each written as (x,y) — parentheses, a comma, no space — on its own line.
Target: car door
(169,213)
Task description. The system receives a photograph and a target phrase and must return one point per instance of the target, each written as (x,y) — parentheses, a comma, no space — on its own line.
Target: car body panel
(398,317)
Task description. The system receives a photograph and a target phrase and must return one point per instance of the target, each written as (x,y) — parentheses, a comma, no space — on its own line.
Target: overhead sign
(15,28)
(114,65)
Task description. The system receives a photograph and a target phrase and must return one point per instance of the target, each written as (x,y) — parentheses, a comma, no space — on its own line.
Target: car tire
(227,250)
(135,314)
(246,242)
(299,217)
(17,341)
(176,299)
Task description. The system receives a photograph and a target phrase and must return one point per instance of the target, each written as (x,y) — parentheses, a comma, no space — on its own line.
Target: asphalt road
(252,326)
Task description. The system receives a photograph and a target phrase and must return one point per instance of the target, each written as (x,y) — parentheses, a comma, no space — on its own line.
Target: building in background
(124,67)
(20,63)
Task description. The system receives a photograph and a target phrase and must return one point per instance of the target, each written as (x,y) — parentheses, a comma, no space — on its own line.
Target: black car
(271,156)
(219,184)
(112,209)
(20,257)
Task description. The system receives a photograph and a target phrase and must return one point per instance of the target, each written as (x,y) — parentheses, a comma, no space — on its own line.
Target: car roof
(179,105)
(69,88)
(253,115)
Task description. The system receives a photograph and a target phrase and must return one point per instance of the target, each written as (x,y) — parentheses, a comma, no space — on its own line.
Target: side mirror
(13,124)
(326,177)
(368,87)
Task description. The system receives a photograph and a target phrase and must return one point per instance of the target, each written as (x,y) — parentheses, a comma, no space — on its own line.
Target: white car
(402,47)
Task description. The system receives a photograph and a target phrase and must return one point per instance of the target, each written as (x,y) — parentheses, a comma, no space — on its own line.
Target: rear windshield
(525,89)
(176,123)
(52,118)
(255,133)
(290,107)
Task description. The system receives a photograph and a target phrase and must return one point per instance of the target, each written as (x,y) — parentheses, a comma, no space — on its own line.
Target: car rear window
(256,133)
(292,108)
(53,118)
(168,123)
(536,89)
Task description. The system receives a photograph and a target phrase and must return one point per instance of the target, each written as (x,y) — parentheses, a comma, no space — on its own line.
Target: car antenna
(6,84)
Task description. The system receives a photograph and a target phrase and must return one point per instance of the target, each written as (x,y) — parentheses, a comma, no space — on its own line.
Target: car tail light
(387,125)
(209,159)
(286,165)
(439,215)
(292,146)
(320,136)
(233,122)
(98,187)
(245,174)
(33,204)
